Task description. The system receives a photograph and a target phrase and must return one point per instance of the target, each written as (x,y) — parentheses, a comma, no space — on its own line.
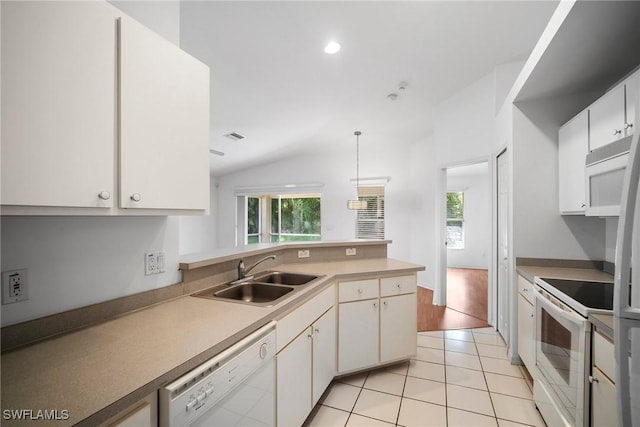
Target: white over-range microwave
(604,174)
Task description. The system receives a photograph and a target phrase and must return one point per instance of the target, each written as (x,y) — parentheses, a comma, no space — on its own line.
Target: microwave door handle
(565,313)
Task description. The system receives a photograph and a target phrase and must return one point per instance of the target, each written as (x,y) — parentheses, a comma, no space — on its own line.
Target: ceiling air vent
(234,136)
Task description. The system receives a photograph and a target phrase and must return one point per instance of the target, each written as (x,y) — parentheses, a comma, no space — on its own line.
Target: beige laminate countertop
(590,274)
(604,322)
(96,372)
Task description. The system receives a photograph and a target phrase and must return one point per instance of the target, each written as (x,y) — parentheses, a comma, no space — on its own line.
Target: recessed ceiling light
(332,47)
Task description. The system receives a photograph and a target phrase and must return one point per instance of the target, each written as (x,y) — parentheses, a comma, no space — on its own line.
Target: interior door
(502,275)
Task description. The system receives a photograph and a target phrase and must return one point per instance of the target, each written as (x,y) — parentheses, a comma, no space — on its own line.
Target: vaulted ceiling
(273,83)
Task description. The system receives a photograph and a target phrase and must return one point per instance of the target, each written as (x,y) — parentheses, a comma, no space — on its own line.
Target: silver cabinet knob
(617,131)
(375,305)
(628,125)
(104,195)
(317,331)
(593,379)
(136,197)
(359,290)
(385,303)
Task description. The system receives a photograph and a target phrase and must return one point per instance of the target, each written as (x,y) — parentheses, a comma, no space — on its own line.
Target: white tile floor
(458,378)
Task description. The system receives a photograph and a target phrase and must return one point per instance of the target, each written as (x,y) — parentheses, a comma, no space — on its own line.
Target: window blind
(370,221)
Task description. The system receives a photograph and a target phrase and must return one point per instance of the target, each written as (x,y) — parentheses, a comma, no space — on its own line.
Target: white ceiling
(272,82)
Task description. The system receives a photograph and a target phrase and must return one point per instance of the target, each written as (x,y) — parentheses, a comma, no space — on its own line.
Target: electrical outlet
(154,263)
(350,251)
(14,286)
(304,253)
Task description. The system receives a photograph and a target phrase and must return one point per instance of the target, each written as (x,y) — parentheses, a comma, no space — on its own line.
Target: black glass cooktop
(595,295)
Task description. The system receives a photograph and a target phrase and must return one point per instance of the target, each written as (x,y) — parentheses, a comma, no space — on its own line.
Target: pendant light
(357,204)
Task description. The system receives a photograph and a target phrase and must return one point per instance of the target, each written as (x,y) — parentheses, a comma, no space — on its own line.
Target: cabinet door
(526,330)
(164,123)
(603,400)
(632,97)
(58,104)
(324,353)
(398,327)
(607,118)
(357,335)
(293,383)
(573,147)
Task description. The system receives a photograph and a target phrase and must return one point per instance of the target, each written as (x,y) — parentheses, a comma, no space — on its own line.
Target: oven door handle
(565,312)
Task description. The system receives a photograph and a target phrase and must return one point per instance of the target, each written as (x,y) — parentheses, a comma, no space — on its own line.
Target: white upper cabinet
(99,112)
(573,147)
(58,87)
(164,124)
(607,118)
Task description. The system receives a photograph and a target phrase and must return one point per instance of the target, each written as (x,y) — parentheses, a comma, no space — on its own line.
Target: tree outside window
(295,218)
(282,218)
(455,220)
(253,220)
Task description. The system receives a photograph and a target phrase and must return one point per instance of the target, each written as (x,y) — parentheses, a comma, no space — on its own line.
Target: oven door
(561,355)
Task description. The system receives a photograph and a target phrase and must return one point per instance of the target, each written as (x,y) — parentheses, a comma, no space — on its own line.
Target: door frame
(440,291)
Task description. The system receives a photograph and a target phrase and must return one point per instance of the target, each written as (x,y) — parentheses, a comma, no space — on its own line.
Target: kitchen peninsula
(99,370)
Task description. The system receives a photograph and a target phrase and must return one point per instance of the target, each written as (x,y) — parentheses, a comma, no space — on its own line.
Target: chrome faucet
(242,271)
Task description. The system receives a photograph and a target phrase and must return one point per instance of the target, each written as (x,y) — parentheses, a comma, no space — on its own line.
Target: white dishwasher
(234,388)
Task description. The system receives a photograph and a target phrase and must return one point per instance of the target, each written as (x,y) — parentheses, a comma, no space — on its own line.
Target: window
(455,220)
(282,218)
(254,218)
(370,222)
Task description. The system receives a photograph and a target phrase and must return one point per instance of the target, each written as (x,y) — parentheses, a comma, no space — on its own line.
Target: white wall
(464,124)
(198,232)
(334,170)
(539,230)
(76,261)
(474,181)
(163,16)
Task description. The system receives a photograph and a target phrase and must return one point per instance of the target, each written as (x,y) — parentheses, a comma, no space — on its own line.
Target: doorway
(468,225)
(465,209)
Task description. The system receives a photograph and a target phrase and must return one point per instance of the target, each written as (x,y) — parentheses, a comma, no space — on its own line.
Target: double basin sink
(264,289)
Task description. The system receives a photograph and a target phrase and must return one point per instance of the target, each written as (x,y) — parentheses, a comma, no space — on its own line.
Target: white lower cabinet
(379,329)
(603,389)
(398,327)
(294,381)
(141,414)
(526,324)
(357,335)
(306,363)
(324,353)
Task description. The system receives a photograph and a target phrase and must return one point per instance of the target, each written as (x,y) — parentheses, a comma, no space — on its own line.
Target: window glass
(253,220)
(286,218)
(455,220)
(370,221)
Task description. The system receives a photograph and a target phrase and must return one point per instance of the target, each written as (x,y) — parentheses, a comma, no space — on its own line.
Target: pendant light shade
(357,204)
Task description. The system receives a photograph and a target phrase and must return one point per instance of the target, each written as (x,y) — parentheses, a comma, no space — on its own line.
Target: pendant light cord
(357,134)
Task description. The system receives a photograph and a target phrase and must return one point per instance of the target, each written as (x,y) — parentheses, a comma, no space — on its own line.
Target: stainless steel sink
(253,292)
(294,279)
(265,289)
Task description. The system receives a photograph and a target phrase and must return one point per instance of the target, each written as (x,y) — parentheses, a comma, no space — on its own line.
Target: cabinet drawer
(525,288)
(398,285)
(358,290)
(293,323)
(603,355)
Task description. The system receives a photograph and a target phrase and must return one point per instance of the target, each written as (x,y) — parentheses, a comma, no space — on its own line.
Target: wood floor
(466,302)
